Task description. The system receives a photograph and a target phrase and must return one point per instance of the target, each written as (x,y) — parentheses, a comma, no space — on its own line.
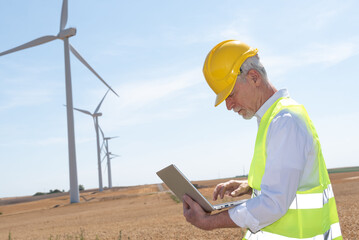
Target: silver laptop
(180,186)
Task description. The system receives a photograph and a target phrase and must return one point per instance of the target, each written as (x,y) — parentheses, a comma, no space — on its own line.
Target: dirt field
(140,212)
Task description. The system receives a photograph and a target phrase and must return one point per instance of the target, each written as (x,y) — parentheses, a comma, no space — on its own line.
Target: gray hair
(252,63)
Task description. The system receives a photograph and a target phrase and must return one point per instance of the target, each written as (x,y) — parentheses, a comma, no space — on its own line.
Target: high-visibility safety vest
(313,213)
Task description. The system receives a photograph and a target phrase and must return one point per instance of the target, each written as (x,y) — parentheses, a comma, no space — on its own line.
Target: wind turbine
(95,116)
(65,34)
(109,156)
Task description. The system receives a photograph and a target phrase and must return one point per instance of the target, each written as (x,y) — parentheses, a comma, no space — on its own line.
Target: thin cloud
(50,141)
(326,55)
(54,141)
(140,94)
(330,54)
(136,118)
(325,14)
(139,101)
(175,36)
(324,18)
(25,97)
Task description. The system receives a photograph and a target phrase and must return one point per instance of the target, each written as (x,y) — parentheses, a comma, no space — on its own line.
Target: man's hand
(194,213)
(231,188)
(198,217)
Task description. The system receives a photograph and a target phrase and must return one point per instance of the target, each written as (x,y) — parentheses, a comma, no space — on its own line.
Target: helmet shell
(222,66)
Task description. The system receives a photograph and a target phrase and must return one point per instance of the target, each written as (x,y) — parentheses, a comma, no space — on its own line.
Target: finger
(220,192)
(216,191)
(185,207)
(223,191)
(185,204)
(188,200)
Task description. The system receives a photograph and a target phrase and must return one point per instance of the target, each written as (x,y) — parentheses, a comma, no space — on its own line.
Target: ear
(254,77)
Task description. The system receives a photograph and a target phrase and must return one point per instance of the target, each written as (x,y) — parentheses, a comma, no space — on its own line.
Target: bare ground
(140,212)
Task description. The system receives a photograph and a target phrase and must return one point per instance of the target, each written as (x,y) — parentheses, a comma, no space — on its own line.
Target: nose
(229,103)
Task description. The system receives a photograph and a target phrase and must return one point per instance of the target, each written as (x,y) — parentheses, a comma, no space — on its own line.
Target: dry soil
(140,212)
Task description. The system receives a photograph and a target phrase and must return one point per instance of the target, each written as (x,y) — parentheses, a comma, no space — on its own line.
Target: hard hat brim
(221,96)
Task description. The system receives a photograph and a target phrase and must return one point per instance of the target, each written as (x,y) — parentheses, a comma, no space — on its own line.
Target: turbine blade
(105,169)
(102,150)
(83,111)
(63,20)
(89,67)
(103,135)
(30,44)
(114,157)
(113,137)
(98,107)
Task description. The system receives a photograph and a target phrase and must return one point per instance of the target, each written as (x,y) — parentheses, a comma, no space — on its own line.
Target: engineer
(292,197)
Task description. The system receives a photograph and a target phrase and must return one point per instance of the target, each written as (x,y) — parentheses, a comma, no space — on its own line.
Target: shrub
(54,191)
(174,198)
(39,194)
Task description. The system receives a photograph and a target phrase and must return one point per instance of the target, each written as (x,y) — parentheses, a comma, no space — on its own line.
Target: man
(292,196)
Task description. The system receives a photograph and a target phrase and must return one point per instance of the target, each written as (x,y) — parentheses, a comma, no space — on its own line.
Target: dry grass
(140,212)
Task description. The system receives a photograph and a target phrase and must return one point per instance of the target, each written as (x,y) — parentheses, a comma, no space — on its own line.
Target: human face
(241,100)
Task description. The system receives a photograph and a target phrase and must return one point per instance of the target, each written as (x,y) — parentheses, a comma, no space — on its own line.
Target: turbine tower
(95,116)
(109,156)
(65,34)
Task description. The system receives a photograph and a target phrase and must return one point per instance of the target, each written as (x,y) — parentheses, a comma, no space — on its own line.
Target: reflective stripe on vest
(333,233)
(308,201)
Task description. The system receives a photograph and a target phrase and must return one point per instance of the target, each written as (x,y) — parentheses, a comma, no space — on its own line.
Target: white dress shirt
(290,166)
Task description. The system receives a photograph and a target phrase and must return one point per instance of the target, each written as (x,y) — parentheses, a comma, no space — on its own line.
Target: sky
(151,53)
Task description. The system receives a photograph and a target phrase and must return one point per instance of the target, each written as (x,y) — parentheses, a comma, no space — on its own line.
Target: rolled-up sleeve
(287,147)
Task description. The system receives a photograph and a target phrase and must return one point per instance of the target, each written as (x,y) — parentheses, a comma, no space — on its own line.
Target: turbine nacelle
(66,33)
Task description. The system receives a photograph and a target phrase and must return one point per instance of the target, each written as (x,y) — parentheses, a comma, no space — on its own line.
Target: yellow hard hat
(222,65)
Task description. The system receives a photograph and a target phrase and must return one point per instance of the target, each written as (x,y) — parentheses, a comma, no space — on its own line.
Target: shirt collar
(262,110)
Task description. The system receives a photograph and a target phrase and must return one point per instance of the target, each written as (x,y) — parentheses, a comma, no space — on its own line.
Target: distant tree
(81,187)
(54,191)
(39,194)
